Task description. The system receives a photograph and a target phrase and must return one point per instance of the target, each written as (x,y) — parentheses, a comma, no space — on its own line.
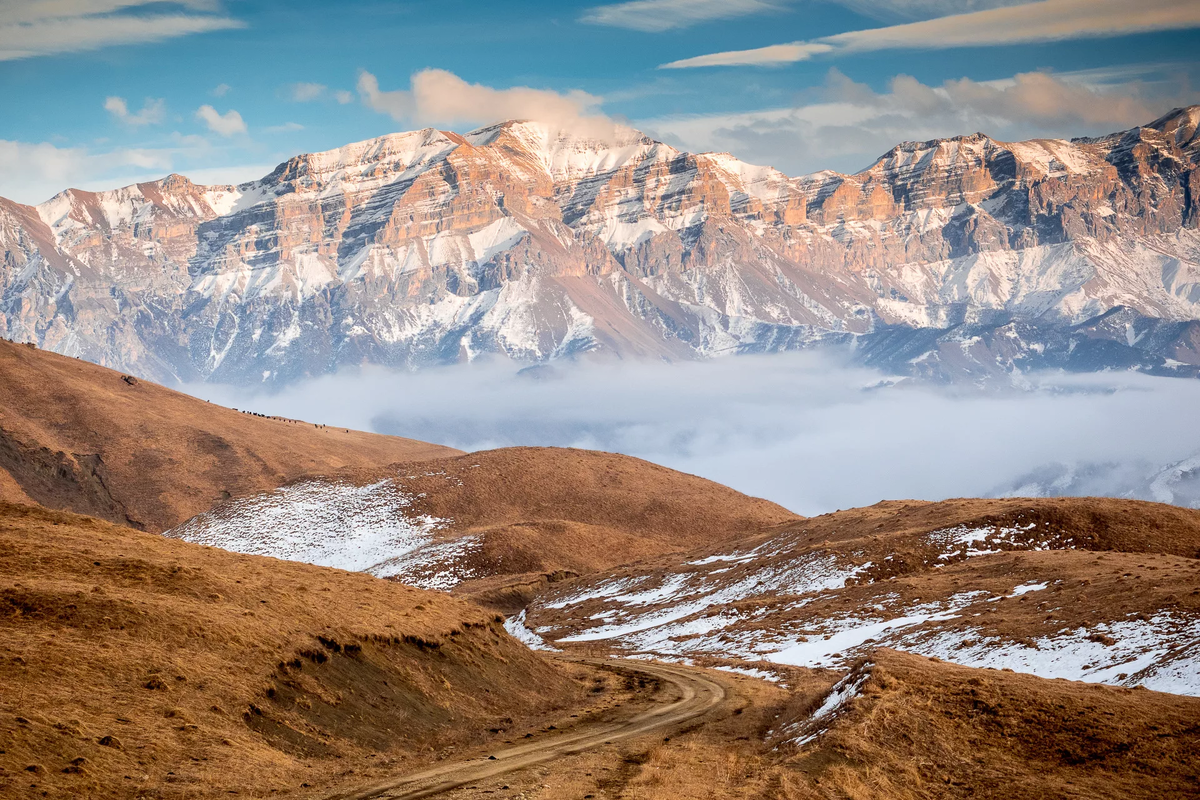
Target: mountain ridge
(430,247)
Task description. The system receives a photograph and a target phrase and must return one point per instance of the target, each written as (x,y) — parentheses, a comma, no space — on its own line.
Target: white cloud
(153,111)
(762,56)
(286,127)
(850,124)
(226,124)
(306,92)
(24,164)
(343,97)
(31,172)
(794,428)
(661,15)
(43,27)
(438,97)
(921,9)
(220,90)
(1045,21)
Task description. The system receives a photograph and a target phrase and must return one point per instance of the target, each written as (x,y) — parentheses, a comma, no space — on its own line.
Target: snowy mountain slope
(1091,590)
(430,247)
(1178,483)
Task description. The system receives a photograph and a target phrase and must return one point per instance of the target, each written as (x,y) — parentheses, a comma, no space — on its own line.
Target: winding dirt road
(698,694)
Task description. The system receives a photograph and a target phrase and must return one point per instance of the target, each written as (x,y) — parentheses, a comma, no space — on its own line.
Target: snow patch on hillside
(818,722)
(1160,653)
(516,628)
(336,524)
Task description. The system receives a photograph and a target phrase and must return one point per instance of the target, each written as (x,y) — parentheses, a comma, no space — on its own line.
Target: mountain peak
(1180,122)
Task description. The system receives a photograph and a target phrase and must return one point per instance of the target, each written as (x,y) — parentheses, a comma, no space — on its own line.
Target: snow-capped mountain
(963,256)
(1177,483)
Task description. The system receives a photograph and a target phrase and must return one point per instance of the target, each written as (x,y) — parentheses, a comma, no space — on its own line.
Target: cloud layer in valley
(795,428)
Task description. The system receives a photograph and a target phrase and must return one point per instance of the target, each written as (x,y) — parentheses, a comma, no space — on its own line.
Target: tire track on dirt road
(698,694)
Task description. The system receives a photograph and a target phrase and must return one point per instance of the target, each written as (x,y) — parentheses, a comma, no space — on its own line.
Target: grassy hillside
(78,437)
(132,664)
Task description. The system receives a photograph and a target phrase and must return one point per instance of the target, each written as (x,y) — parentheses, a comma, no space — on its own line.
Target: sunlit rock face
(955,258)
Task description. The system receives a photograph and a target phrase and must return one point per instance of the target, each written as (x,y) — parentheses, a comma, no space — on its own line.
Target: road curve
(698,694)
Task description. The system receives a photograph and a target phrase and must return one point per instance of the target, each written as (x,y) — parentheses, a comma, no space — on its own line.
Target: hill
(1087,589)
(900,727)
(136,665)
(79,437)
(903,726)
(493,524)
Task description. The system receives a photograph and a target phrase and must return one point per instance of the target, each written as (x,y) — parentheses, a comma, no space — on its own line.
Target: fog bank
(798,429)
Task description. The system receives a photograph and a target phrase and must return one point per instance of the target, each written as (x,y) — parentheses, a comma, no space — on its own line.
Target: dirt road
(697,694)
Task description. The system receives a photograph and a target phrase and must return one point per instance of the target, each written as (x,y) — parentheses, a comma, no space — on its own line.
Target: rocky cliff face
(950,258)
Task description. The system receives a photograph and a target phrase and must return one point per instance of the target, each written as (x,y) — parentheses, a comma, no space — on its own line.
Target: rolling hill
(79,437)
(1088,589)
(136,665)
(494,524)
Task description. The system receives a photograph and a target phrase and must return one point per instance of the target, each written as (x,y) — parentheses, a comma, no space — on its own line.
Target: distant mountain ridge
(956,258)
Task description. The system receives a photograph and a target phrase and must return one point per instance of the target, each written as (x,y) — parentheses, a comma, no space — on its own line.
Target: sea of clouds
(799,429)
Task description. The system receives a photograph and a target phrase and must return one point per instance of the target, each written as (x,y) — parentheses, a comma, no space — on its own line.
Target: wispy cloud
(227,124)
(661,15)
(220,90)
(31,28)
(306,92)
(770,55)
(438,97)
(153,111)
(31,172)
(1045,21)
(286,127)
(846,125)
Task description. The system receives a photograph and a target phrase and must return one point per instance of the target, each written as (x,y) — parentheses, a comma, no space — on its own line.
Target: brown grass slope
(925,729)
(1088,523)
(539,510)
(75,436)
(135,665)
(1103,562)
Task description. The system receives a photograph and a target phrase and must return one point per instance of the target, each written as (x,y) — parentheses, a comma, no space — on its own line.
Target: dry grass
(919,729)
(1107,560)
(133,665)
(922,729)
(725,755)
(1089,523)
(543,510)
(75,436)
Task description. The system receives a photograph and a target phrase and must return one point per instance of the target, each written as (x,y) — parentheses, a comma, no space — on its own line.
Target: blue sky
(99,93)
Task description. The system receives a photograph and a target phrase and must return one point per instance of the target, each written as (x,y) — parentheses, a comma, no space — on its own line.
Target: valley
(549,622)
(617,400)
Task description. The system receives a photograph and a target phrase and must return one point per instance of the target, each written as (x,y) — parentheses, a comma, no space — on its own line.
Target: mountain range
(958,258)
